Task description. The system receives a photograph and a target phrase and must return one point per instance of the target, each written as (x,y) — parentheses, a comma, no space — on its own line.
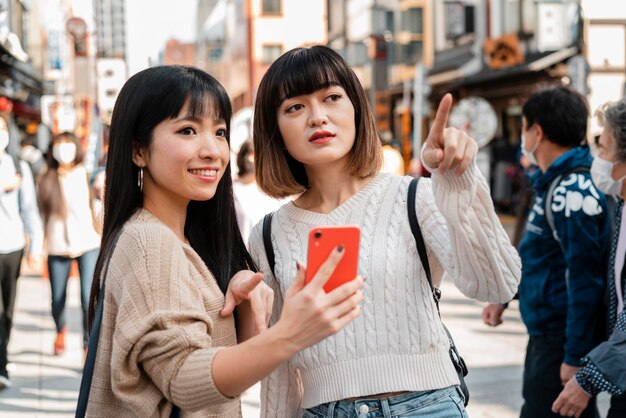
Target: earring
(140,179)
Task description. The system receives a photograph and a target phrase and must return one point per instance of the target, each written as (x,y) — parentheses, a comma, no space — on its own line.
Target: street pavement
(47,386)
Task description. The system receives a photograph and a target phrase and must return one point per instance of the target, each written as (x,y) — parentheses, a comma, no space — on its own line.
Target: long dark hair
(148,98)
(49,194)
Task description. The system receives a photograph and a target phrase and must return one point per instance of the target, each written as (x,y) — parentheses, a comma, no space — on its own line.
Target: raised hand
(448,148)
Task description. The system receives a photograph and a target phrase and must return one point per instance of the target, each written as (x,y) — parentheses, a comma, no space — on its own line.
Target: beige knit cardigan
(160,331)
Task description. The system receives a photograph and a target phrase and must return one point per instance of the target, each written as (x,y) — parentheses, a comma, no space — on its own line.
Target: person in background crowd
(562,286)
(178,267)
(315,136)
(18,215)
(250,202)
(605,366)
(69,225)
(97,188)
(392,158)
(32,155)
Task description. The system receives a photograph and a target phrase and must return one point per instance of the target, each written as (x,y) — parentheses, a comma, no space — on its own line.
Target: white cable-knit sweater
(397,343)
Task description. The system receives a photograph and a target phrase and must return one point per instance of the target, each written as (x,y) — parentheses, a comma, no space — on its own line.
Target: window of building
(271,53)
(607,58)
(412,21)
(271,7)
(409,53)
(357,54)
(215,54)
(519,16)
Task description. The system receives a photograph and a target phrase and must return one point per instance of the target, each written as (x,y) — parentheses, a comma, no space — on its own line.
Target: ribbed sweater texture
(397,343)
(160,331)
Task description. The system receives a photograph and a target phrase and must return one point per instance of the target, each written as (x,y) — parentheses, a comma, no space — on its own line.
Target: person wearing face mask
(66,207)
(19,217)
(563,251)
(605,366)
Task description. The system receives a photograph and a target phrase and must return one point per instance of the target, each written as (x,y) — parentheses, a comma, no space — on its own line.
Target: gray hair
(612,116)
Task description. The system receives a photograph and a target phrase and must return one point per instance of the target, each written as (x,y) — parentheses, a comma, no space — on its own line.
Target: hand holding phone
(324,239)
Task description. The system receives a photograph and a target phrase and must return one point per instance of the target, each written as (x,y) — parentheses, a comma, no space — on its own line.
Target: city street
(47,386)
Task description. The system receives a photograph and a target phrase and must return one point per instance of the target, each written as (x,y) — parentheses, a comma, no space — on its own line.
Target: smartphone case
(322,241)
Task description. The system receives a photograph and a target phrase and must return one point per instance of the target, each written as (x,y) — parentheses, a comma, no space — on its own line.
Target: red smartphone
(322,241)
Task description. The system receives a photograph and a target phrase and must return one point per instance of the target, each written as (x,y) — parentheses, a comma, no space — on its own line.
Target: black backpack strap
(267,240)
(419,239)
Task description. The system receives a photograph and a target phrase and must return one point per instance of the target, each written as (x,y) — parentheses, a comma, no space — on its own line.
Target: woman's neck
(328,189)
(172,214)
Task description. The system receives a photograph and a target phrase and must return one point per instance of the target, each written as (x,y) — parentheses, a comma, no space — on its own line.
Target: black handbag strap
(94,336)
(458,362)
(419,240)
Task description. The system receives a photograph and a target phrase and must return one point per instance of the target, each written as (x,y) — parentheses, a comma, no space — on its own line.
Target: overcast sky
(150,23)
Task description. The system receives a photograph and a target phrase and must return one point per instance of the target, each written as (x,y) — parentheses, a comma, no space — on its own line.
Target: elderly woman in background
(605,366)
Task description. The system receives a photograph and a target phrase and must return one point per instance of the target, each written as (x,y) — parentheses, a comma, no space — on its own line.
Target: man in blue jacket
(605,366)
(563,250)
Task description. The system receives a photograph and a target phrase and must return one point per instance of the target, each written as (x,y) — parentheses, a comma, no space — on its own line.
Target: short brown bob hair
(297,72)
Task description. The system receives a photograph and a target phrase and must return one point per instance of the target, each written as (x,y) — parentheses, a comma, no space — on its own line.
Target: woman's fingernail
(340,248)
(297,266)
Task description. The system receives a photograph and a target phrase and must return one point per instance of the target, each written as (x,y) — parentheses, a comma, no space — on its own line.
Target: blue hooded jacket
(562,287)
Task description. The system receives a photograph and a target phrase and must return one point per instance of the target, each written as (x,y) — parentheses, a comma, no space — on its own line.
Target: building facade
(110,18)
(240,39)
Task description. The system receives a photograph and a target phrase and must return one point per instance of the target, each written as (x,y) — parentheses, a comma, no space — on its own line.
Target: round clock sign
(475,116)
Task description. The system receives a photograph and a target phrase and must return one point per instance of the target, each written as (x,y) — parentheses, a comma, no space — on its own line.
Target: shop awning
(534,63)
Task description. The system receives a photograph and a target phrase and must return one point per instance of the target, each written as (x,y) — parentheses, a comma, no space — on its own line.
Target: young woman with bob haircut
(173,265)
(314,134)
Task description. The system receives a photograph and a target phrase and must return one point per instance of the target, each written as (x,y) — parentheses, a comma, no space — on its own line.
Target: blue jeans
(440,403)
(59,270)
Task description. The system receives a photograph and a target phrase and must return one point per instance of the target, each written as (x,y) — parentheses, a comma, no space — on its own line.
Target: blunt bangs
(209,100)
(199,91)
(308,71)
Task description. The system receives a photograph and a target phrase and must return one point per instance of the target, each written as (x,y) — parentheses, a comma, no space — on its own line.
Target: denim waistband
(384,406)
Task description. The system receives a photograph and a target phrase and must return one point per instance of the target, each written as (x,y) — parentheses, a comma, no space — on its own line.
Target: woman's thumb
(229,304)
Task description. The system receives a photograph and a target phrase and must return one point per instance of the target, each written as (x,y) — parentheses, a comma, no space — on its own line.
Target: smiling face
(185,160)
(318,128)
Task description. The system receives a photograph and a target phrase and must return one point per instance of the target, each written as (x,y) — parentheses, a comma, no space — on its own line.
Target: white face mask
(64,152)
(530,155)
(4,141)
(601,170)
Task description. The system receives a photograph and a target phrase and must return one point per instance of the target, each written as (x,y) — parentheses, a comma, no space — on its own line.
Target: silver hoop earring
(140,179)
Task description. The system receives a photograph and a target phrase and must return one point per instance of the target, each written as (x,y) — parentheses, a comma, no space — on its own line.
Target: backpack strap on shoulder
(267,240)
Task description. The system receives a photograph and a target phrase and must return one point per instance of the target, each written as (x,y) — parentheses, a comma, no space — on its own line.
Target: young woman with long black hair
(176,265)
